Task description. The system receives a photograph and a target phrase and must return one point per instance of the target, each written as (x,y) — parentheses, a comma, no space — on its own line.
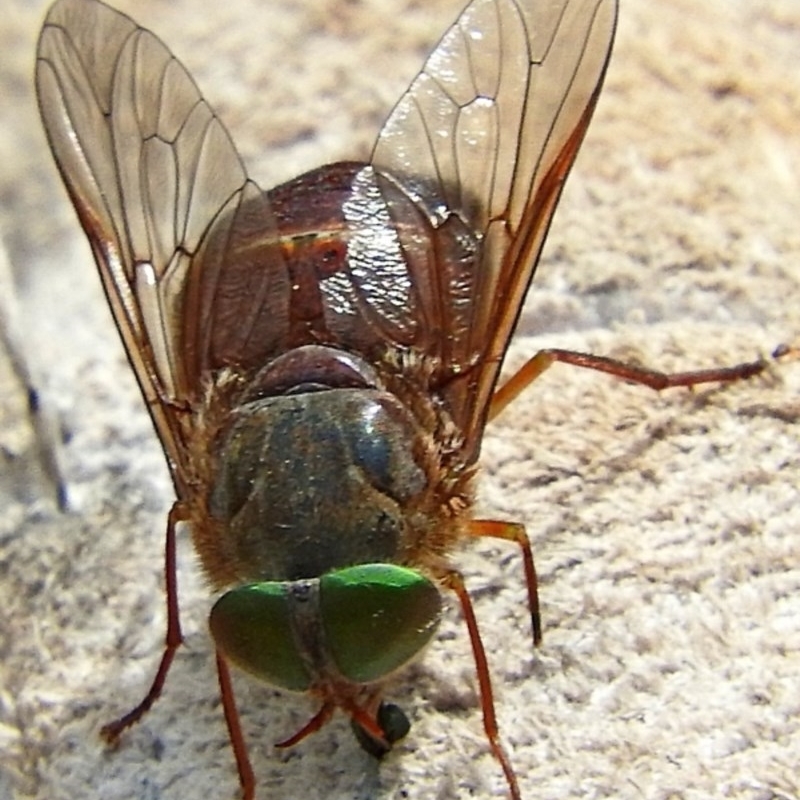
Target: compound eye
(251,627)
(377,618)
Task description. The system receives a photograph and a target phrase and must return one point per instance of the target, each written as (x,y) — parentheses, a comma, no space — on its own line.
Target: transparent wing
(488,132)
(148,167)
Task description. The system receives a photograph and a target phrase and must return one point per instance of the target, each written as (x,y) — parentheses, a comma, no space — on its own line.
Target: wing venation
(148,167)
(488,132)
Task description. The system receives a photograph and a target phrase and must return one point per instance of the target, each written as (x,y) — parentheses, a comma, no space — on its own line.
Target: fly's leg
(536,365)
(247,779)
(515,532)
(312,726)
(455,582)
(112,731)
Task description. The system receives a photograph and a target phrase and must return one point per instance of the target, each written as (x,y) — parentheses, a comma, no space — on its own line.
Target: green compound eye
(251,626)
(376,618)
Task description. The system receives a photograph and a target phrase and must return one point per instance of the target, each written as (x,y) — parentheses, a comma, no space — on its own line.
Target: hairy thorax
(319,477)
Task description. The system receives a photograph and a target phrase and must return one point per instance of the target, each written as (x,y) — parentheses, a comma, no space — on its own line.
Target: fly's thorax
(311,482)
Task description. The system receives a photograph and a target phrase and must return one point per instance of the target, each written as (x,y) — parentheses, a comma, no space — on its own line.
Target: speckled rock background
(666,528)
